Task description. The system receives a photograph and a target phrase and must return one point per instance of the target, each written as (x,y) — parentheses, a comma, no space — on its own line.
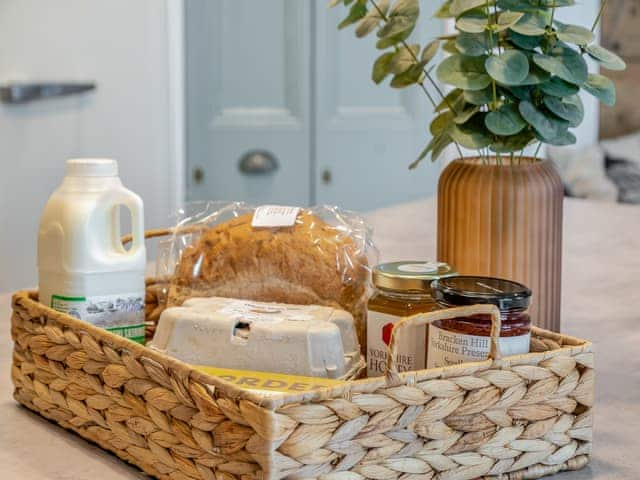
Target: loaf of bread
(308,263)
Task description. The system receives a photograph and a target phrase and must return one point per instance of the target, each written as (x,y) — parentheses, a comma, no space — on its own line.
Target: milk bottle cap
(92,167)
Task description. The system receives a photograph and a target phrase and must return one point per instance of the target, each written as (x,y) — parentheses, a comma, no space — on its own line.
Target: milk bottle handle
(135,206)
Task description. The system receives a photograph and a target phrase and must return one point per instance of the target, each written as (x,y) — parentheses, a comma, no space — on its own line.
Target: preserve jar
(402,289)
(467,339)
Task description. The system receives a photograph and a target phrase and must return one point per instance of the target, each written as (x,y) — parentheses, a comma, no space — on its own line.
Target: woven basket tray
(518,417)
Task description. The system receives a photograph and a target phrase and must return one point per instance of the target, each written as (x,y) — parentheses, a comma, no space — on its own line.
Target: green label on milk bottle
(122,314)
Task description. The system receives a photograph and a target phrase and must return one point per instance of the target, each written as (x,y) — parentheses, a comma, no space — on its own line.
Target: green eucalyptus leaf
(547,126)
(409,77)
(464,72)
(404,59)
(525,41)
(510,68)
(405,8)
(445,10)
(381,67)
(436,146)
(564,63)
(567,111)
(430,51)
(576,101)
(533,5)
(357,11)
(472,44)
(401,19)
(479,97)
(606,58)
(602,88)
(573,33)
(372,19)
(559,88)
(449,46)
(519,92)
(536,76)
(466,113)
(513,143)
(472,24)
(396,26)
(473,134)
(563,139)
(423,155)
(451,99)
(442,142)
(507,19)
(458,7)
(531,24)
(477,12)
(505,121)
(394,40)
(517,5)
(442,123)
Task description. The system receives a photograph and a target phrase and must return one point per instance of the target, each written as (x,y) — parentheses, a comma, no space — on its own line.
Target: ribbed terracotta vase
(505,221)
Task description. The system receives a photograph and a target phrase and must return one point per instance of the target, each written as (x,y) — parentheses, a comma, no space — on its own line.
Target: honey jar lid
(471,290)
(410,275)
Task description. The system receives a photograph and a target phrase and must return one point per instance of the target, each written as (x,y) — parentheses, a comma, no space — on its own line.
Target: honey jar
(467,339)
(402,289)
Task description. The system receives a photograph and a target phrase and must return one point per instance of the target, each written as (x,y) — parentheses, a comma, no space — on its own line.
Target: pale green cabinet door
(248,90)
(281,108)
(367,134)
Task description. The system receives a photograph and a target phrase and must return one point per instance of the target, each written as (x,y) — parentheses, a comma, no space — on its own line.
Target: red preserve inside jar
(466,339)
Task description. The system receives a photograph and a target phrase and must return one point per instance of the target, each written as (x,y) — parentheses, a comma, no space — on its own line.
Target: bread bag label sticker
(122,314)
(451,348)
(410,344)
(273,216)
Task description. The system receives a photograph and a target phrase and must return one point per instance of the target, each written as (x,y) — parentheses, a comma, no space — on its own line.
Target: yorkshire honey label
(410,344)
(269,382)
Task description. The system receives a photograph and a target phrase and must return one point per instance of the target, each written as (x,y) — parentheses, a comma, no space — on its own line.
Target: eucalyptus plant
(516,70)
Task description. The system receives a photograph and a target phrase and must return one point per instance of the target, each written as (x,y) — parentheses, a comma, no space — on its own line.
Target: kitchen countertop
(601,267)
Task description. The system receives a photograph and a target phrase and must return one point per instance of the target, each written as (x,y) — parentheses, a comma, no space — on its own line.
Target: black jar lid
(471,290)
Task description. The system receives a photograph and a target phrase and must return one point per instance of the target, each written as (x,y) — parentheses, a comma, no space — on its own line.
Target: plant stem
(491,47)
(426,74)
(599,17)
(553,12)
(426,92)
(535,155)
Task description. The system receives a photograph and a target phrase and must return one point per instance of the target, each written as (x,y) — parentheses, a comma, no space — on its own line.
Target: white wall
(122,46)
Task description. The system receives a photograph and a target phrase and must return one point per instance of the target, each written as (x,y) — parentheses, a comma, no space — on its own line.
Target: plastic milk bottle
(84,270)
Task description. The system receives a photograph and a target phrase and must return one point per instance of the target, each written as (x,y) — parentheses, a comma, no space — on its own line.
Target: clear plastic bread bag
(319,255)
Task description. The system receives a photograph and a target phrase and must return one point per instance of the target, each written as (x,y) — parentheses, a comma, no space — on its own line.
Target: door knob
(326,176)
(198,175)
(258,162)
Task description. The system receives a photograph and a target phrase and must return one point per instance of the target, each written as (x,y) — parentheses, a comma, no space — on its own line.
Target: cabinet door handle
(258,162)
(28,92)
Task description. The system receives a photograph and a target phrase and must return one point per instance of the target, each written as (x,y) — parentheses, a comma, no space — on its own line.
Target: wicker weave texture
(520,417)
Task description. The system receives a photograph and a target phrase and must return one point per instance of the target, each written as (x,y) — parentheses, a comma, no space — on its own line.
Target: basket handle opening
(428,318)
